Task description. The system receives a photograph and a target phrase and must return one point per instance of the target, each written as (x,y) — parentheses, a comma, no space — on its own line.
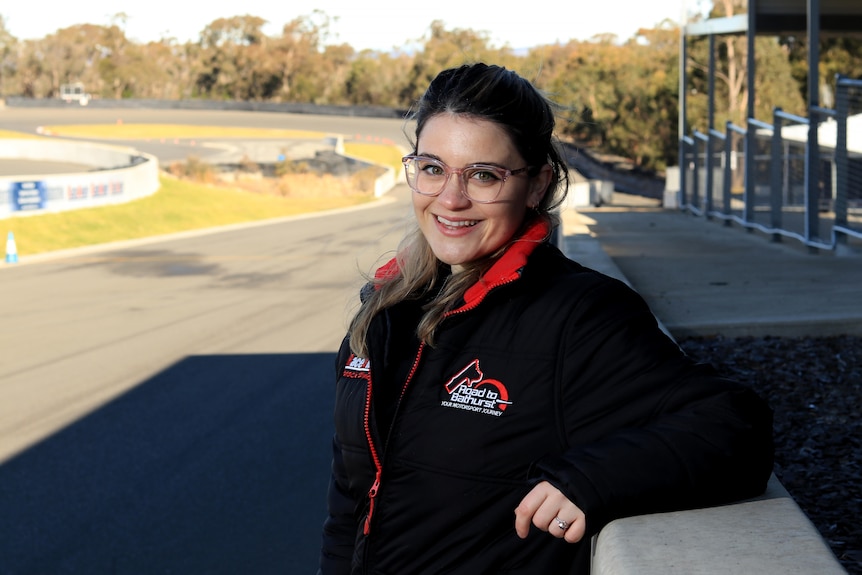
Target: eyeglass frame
(503,173)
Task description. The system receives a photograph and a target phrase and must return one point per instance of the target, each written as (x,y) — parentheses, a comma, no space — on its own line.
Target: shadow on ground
(218,464)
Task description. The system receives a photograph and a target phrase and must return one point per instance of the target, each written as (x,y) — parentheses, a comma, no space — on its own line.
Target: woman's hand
(549,510)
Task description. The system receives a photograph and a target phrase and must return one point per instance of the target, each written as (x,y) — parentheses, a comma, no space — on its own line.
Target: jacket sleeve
(647,429)
(339,528)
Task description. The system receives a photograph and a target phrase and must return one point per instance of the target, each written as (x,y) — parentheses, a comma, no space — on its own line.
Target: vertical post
(695,169)
(751,131)
(842,176)
(776,161)
(728,170)
(710,180)
(812,155)
(681,122)
(786,196)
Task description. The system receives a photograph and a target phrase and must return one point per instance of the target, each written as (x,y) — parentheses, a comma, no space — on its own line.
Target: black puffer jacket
(549,371)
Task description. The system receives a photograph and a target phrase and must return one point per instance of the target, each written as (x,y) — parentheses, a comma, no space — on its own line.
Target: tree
(162,71)
(377,79)
(838,55)
(621,98)
(68,55)
(232,32)
(772,76)
(295,54)
(618,97)
(120,61)
(225,47)
(446,49)
(8,49)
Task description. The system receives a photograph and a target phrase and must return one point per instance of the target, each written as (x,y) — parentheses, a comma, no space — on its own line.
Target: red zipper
(372,497)
(372,493)
(375,487)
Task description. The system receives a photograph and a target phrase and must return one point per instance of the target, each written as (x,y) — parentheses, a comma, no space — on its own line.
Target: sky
(380,25)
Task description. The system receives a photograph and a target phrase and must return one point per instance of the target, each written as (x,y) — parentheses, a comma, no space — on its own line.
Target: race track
(165,405)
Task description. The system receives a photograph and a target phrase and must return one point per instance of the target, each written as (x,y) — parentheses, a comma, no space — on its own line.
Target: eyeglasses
(480,183)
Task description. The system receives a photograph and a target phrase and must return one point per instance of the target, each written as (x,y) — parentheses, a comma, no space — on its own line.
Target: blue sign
(28,196)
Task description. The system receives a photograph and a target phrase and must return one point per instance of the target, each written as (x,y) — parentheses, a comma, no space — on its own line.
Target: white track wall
(119,174)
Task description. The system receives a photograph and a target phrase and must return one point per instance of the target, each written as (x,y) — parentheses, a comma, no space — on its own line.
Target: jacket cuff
(560,473)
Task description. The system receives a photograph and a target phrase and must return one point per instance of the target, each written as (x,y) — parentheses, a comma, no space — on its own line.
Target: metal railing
(760,177)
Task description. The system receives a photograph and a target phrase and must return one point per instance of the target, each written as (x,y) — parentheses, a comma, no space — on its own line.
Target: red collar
(506,269)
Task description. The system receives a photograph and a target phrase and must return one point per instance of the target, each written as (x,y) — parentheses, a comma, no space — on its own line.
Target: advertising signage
(28,196)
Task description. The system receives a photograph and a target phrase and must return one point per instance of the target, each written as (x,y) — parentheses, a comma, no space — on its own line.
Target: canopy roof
(786,17)
(827,134)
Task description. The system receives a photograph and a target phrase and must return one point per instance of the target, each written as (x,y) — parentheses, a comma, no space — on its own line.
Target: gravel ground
(814,386)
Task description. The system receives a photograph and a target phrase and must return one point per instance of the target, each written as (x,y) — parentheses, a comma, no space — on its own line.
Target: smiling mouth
(458,224)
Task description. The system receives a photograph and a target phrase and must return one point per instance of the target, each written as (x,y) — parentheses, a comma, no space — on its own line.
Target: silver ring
(561,524)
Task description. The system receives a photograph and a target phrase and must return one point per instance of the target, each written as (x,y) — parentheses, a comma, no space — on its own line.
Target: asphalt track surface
(165,404)
(168,150)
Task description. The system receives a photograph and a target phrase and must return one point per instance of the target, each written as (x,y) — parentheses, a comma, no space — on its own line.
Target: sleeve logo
(470,390)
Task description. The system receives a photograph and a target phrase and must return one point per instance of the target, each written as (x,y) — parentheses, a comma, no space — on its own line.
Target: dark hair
(488,93)
(494,93)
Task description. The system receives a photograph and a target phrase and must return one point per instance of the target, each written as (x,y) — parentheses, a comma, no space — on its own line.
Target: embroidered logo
(471,391)
(359,364)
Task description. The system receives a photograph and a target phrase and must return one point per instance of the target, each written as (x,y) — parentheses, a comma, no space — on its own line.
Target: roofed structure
(808,18)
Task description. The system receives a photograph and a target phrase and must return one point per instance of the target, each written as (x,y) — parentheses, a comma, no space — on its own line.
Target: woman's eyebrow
(439,159)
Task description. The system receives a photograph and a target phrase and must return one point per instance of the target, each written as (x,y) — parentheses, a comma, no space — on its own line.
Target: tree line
(619,97)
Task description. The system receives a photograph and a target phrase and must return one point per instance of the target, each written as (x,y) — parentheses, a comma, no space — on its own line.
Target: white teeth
(461,224)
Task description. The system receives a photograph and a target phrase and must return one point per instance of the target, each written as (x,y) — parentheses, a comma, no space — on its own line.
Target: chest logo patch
(356,365)
(470,390)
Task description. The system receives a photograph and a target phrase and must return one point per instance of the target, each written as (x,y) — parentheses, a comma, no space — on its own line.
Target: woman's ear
(539,185)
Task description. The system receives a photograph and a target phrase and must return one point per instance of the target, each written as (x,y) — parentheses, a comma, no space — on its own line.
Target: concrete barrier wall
(120,174)
(671,198)
(99,156)
(590,193)
(384,183)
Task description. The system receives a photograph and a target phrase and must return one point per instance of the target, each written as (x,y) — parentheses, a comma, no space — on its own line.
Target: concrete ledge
(764,536)
(768,535)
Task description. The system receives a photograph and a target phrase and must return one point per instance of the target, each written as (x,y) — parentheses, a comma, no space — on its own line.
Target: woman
(497,404)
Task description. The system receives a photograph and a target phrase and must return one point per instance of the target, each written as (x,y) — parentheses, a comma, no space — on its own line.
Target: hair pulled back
(484,92)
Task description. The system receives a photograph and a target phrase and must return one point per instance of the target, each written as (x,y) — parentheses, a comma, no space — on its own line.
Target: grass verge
(181,205)
(17,135)
(178,206)
(381,154)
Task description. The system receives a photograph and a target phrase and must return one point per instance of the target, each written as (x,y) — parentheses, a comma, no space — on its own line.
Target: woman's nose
(453,195)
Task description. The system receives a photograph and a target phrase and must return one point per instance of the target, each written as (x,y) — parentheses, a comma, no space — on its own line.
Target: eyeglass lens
(479,183)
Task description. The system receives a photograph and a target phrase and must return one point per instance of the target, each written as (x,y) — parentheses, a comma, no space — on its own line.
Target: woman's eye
(432,170)
(485,176)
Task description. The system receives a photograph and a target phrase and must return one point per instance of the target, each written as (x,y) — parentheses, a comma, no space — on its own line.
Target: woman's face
(459,230)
